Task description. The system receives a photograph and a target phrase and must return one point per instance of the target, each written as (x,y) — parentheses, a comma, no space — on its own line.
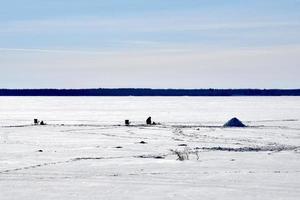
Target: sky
(150,44)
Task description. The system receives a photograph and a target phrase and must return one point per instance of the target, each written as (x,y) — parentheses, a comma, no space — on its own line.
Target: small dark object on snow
(149,121)
(159,157)
(182,145)
(118,147)
(234,122)
(151,156)
(36,121)
(143,142)
(40,150)
(127,122)
(42,123)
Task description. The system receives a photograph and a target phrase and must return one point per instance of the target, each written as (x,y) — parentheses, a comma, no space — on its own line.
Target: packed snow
(85,151)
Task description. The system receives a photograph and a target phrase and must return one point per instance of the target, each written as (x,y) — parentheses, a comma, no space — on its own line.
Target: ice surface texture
(86,152)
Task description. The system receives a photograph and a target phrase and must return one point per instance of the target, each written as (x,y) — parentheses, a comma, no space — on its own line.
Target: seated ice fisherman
(149,121)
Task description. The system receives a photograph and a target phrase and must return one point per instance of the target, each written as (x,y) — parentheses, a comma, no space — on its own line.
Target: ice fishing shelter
(234,122)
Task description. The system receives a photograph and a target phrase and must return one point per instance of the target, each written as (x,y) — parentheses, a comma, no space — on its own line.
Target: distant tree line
(149,92)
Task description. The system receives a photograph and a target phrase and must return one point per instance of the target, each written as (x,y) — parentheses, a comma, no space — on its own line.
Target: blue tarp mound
(234,122)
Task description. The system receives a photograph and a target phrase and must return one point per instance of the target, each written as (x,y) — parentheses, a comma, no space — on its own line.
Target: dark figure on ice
(149,121)
(127,122)
(36,122)
(42,123)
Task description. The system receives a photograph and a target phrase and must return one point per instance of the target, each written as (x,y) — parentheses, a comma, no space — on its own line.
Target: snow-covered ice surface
(85,151)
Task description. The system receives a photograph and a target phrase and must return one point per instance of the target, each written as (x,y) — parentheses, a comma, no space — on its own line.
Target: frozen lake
(85,151)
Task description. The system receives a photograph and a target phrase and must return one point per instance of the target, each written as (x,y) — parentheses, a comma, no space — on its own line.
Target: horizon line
(147,88)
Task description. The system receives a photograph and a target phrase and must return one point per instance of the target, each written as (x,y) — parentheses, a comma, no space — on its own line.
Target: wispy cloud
(162,57)
(135,25)
(52,51)
(193,68)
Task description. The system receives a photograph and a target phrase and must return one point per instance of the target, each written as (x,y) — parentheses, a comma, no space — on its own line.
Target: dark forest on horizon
(149,92)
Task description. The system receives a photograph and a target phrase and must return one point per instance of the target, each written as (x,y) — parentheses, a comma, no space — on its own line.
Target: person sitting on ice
(149,121)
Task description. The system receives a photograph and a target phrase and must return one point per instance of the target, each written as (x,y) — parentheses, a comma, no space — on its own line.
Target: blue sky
(143,43)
